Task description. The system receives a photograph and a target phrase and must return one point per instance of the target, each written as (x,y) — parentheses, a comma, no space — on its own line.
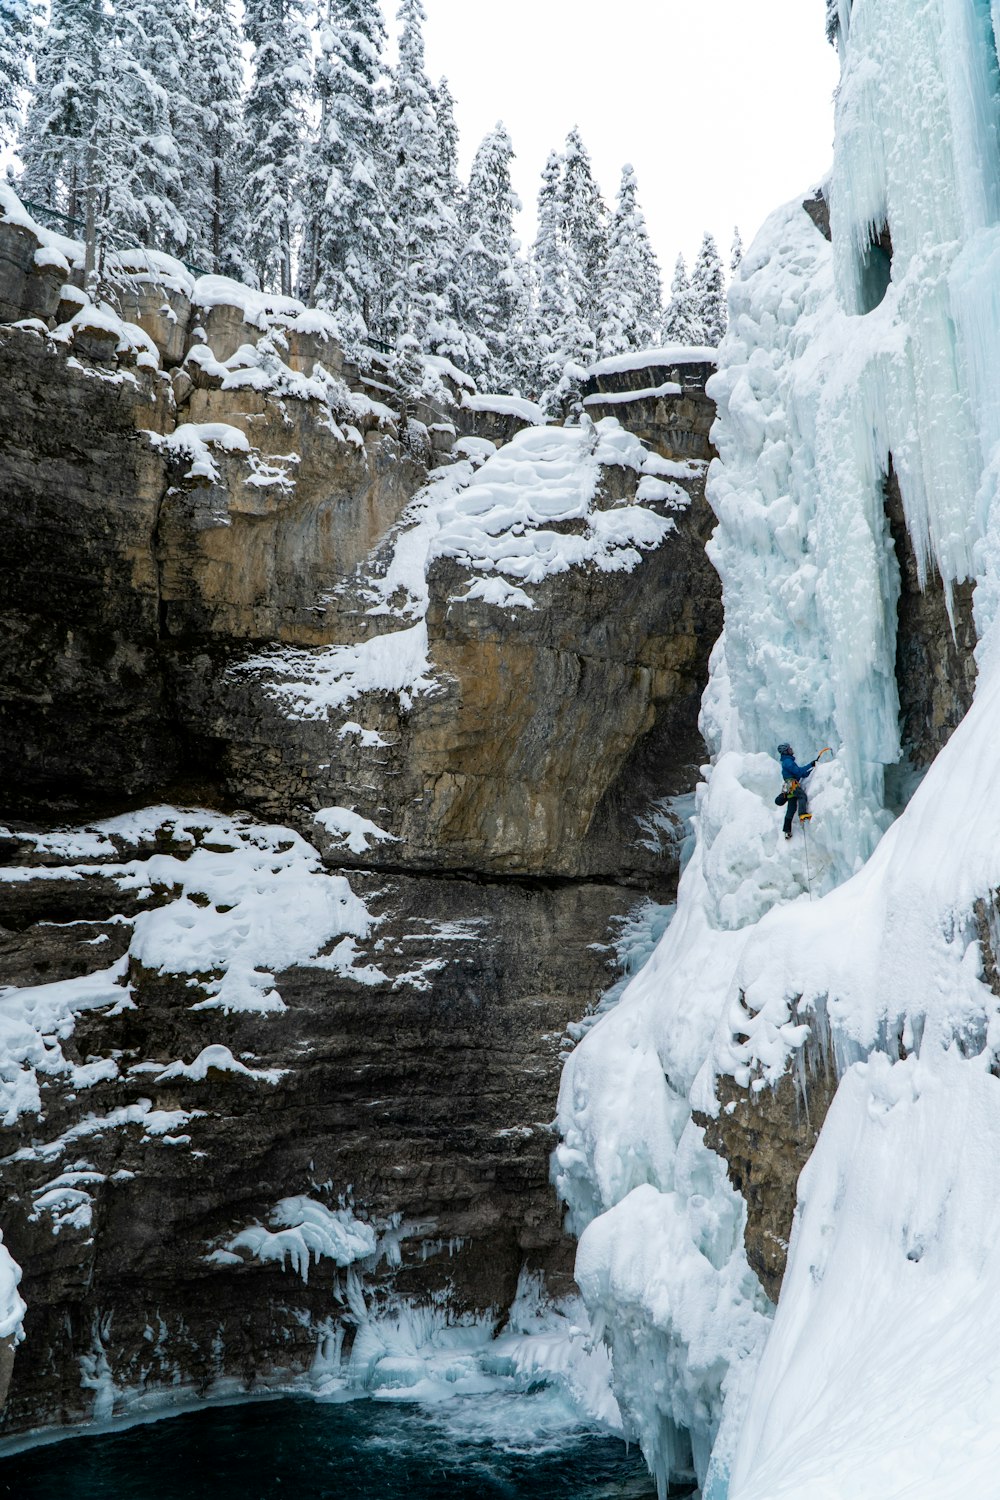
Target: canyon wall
(311,855)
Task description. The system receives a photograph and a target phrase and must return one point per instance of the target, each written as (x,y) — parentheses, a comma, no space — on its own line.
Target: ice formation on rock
(844,362)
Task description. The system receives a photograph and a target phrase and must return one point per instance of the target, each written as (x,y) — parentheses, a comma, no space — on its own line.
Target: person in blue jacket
(794,793)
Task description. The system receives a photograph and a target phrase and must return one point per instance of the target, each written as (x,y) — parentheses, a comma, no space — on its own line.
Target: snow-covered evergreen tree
(15,49)
(569,260)
(708,292)
(213,179)
(349,208)
(444,107)
(275,117)
(545,271)
(491,272)
(63,106)
(584,221)
(572,341)
(736,251)
(420,315)
(519,360)
(450,331)
(631,293)
(144,190)
(680,324)
(561,333)
(100,144)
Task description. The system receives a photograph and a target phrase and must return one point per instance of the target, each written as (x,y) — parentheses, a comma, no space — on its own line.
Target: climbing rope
(805,840)
(805,846)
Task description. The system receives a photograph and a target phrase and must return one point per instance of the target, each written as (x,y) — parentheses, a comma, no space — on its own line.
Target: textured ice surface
(836,361)
(305,1232)
(428,1353)
(882,1373)
(12,1308)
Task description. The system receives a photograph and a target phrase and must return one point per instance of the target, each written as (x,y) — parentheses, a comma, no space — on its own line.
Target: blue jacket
(792,772)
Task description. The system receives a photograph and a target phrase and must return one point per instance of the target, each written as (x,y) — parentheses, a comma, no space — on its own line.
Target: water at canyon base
(499,1448)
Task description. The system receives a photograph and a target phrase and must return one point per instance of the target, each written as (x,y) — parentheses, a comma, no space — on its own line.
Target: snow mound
(667,355)
(310,684)
(513,406)
(221,1060)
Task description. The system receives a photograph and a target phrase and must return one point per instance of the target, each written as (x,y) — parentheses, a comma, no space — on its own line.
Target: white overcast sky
(724,107)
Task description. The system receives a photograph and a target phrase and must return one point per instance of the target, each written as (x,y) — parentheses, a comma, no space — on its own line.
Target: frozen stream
(480,1447)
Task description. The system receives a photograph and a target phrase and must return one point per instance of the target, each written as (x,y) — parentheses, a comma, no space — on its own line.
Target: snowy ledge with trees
(141,131)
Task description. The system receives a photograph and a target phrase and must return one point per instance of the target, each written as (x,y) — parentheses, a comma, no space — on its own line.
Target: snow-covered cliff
(859,468)
(315,1021)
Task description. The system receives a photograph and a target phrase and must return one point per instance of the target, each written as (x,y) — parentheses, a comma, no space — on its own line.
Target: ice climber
(793,796)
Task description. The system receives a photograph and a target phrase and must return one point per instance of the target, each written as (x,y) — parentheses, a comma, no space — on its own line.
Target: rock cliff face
(344,973)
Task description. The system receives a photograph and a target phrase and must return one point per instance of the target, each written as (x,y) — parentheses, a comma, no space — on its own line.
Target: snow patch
(349,829)
(306,1232)
(666,356)
(221,1060)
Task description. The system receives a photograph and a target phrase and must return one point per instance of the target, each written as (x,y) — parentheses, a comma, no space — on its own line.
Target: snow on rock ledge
(243,901)
(306,1232)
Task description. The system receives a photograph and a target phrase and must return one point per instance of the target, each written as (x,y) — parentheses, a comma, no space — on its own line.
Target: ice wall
(882,346)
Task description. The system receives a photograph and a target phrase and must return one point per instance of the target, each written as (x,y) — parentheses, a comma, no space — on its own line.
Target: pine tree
(543,366)
(16,27)
(145,184)
(349,194)
(736,252)
(213,178)
(100,142)
(420,313)
(569,261)
(275,117)
(584,222)
(519,359)
(63,106)
(631,293)
(708,291)
(573,342)
(450,331)
(491,275)
(681,324)
(444,109)
(561,329)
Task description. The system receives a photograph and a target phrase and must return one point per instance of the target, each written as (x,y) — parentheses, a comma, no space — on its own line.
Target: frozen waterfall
(846,362)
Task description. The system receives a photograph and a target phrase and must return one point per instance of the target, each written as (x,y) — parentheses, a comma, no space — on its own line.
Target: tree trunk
(216,217)
(90,228)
